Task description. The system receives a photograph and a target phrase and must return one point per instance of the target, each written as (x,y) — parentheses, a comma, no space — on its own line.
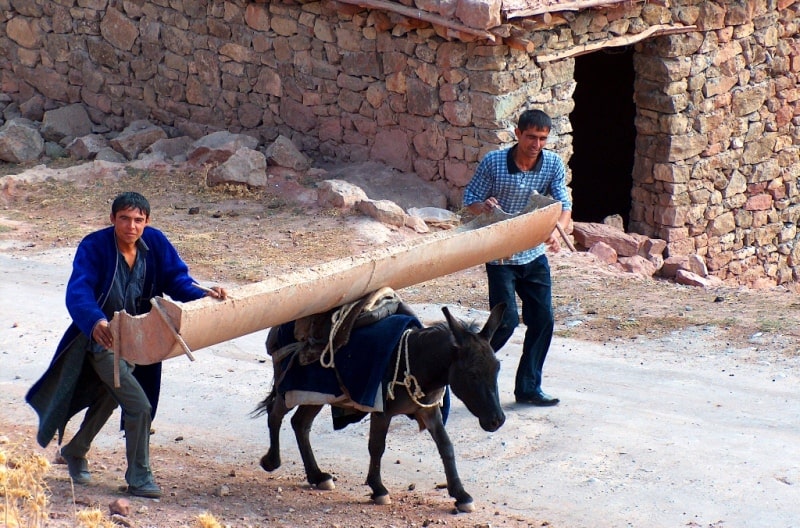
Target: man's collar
(512,165)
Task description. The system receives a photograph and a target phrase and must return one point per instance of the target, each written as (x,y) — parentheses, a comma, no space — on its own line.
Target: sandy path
(680,431)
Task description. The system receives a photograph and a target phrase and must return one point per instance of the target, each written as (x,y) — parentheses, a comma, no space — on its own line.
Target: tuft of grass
(206,520)
(93,518)
(23,492)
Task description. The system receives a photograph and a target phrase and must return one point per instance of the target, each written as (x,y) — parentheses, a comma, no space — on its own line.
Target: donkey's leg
(432,418)
(277,410)
(378,427)
(301,423)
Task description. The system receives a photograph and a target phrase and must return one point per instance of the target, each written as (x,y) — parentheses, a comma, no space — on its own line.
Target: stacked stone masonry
(718,105)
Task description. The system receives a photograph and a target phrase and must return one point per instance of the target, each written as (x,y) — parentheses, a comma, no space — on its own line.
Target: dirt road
(678,430)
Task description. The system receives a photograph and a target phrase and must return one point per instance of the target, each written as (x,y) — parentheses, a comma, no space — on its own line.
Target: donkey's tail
(265,406)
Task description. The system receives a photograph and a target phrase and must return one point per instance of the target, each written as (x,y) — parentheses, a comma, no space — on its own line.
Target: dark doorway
(604,135)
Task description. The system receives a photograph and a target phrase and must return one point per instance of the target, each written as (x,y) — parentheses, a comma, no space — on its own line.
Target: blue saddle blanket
(361,364)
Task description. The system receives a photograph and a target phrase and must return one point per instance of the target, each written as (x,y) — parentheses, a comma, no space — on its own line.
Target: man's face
(129,225)
(532,140)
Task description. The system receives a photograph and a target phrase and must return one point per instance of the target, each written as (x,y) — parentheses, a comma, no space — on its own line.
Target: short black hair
(534,119)
(130,200)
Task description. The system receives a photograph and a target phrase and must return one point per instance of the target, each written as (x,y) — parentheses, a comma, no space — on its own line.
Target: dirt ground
(235,236)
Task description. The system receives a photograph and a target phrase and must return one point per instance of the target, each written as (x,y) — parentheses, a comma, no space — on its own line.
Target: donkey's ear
(455,325)
(495,317)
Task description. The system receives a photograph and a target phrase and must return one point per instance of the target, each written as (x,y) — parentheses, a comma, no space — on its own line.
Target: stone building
(683,116)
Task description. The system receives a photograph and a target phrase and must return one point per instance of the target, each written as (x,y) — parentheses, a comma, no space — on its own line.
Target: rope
(409,379)
(337,318)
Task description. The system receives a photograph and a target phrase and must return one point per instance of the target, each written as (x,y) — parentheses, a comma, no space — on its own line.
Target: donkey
(451,354)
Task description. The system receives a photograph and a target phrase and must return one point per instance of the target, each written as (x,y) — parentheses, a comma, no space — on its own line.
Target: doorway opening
(604,135)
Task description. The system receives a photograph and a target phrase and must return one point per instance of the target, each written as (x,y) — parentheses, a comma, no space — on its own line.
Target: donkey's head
(473,373)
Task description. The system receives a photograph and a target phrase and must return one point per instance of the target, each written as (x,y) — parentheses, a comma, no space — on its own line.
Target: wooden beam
(652,31)
(418,14)
(521,44)
(525,9)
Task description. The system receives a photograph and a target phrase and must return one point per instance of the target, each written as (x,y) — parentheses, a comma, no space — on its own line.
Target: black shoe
(539,399)
(78,469)
(149,490)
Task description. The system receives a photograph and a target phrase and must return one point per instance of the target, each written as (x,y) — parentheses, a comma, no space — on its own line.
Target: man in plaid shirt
(507,179)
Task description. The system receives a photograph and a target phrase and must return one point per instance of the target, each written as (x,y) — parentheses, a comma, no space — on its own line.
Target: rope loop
(409,380)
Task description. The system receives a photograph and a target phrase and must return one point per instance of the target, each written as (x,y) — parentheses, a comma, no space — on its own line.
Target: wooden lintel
(652,31)
(418,14)
(520,44)
(554,7)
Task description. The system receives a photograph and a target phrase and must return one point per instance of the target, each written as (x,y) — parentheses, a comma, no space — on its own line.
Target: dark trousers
(531,282)
(135,411)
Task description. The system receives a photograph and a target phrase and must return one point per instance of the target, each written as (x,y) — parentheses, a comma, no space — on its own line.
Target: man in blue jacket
(117,268)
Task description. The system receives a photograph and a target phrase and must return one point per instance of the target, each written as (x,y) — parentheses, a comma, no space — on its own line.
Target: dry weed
(23,488)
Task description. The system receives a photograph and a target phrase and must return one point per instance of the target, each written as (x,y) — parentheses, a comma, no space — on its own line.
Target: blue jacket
(69,384)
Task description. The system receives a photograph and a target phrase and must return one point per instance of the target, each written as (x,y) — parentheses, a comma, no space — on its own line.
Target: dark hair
(130,200)
(534,119)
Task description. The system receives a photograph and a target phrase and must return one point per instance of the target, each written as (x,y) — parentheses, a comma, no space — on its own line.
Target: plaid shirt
(498,175)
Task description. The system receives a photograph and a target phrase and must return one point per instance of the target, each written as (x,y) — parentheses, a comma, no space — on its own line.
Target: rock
(653,247)
(136,137)
(120,506)
(696,264)
(587,234)
(54,150)
(87,147)
(109,154)
(283,153)
(603,252)
(67,122)
(638,265)
(340,194)
(380,182)
(417,224)
(615,220)
(219,146)
(245,166)
(20,142)
(385,211)
(172,149)
(692,279)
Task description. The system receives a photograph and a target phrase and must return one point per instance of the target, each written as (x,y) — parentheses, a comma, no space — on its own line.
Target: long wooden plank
(149,338)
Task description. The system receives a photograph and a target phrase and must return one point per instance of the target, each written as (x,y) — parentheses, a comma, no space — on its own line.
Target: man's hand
(101,333)
(217,292)
(552,242)
(485,206)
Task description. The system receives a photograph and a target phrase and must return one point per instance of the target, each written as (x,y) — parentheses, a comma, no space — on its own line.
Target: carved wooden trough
(174,328)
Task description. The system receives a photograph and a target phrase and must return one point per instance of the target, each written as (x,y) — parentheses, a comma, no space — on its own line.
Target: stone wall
(718,127)
(717,107)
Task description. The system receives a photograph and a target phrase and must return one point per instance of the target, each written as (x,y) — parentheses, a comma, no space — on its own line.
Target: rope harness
(409,380)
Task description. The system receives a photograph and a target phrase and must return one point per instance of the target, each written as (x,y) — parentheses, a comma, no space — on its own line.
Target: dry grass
(23,488)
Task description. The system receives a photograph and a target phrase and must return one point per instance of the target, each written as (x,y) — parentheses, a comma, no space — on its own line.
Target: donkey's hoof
(382,500)
(268,464)
(326,485)
(465,507)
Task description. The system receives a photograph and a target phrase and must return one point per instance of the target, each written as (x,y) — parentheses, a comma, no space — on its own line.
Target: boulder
(586,234)
(384,211)
(20,142)
(136,137)
(245,166)
(87,147)
(67,122)
(219,146)
(283,153)
(340,194)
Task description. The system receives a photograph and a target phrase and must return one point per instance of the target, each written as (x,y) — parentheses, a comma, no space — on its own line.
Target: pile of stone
(635,253)
(234,159)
